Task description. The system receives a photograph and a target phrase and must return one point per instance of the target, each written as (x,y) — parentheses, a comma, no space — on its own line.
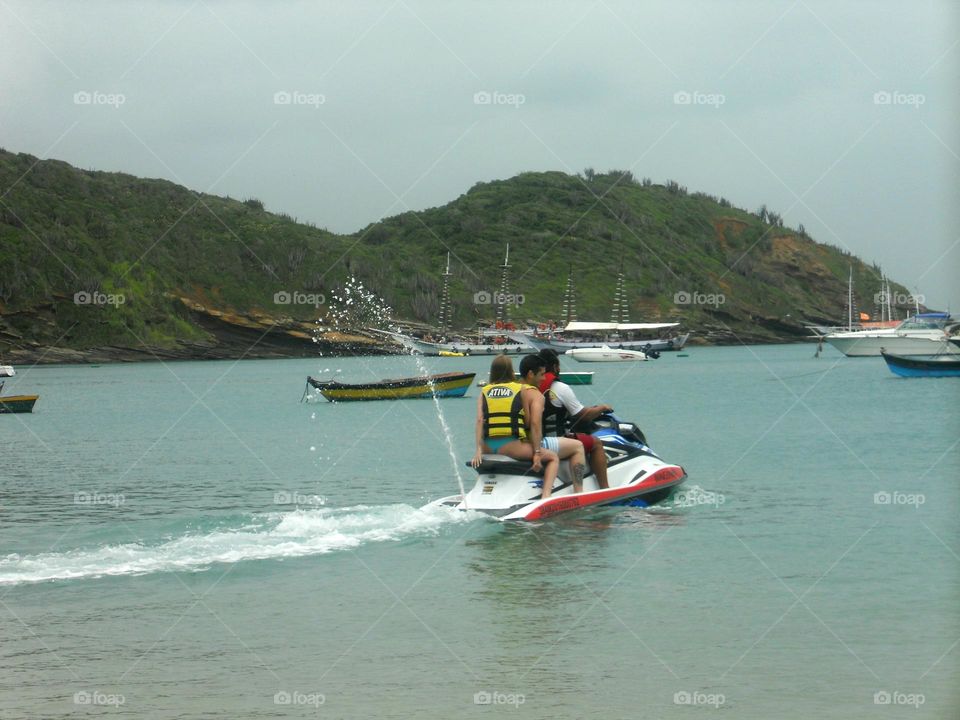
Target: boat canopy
(610,327)
(925,321)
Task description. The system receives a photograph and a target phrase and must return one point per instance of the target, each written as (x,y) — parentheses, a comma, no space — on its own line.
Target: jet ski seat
(505,465)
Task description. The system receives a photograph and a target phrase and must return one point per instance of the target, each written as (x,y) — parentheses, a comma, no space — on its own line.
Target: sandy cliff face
(229,334)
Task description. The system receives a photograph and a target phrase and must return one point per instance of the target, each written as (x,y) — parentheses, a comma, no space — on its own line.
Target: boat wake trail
(271,536)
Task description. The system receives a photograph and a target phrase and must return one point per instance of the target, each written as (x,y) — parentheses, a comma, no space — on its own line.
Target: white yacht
(922,334)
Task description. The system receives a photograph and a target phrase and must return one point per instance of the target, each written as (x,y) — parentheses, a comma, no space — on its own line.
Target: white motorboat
(922,334)
(7,371)
(508,489)
(605,353)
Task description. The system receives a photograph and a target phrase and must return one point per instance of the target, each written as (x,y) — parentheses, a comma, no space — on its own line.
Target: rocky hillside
(99,265)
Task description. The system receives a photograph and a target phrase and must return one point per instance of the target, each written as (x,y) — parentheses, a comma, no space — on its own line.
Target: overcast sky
(842,116)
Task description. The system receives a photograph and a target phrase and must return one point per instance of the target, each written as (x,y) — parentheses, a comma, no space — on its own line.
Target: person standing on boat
(532,369)
(561,404)
(508,422)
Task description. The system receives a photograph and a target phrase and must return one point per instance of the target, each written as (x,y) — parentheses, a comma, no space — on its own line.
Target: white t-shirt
(561,395)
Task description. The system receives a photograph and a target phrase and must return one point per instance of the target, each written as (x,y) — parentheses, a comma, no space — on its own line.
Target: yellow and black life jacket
(503,410)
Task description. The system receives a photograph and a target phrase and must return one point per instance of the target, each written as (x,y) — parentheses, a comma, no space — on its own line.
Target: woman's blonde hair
(501,370)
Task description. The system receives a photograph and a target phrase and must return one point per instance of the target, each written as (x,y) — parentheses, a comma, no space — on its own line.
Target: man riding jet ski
(509,487)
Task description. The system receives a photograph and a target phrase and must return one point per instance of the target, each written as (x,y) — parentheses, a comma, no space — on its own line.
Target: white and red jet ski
(508,489)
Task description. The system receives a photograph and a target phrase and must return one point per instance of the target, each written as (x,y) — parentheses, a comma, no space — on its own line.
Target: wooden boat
(441,385)
(942,365)
(17,403)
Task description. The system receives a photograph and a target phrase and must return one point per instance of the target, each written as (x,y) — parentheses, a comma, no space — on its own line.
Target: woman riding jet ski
(509,488)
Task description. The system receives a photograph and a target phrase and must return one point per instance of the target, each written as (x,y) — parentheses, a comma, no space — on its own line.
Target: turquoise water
(187,540)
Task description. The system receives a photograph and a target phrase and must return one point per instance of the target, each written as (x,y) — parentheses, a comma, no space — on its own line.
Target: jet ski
(509,489)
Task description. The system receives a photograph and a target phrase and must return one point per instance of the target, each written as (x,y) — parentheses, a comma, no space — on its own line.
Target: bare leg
(598,461)
(551,466)
(573,450)
(578,471)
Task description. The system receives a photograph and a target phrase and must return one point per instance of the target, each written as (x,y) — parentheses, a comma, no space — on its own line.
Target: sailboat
(488,341)
(857,321)
(619,333)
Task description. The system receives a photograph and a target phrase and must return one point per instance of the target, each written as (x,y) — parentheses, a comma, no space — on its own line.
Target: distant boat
(442,385)
(942,365)
(619,331)
(859,322)
(7,371)
(605,354)
(17,403)
(576,378)
(922,334)
(418,346)
(570,378)
(589,335)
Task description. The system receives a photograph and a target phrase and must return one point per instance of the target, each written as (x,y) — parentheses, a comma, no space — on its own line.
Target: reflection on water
(525,560)
(541,589)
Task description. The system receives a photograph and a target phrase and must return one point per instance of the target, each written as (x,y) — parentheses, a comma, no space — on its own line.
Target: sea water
(188,540)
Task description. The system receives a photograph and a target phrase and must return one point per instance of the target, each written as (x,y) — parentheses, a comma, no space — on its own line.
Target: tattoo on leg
(578,472)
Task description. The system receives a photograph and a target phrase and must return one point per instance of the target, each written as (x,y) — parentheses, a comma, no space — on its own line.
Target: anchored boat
(17,403)
(605,354)
(442,385)
(942,365)
(922,334)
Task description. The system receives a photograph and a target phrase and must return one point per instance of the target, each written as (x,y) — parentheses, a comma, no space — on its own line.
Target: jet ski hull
(508,489)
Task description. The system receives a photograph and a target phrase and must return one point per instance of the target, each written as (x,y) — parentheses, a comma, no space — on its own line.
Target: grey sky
(770,103)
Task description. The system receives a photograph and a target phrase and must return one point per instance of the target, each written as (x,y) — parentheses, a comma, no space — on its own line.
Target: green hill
(110,265)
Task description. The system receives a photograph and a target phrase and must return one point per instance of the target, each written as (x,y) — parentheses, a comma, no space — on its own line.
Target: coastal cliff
(98,266)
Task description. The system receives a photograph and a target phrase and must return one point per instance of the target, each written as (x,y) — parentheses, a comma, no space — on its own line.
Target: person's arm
(575,409)
(534,413)
(591,413)
(478,433)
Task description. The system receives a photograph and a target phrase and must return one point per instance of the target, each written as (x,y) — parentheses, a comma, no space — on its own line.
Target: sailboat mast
(501,303)
(569,310)
(850,300)
(445,300)
(619,312)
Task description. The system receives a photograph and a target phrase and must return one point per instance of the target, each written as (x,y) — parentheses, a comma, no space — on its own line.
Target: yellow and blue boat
(17,403)
(441,385)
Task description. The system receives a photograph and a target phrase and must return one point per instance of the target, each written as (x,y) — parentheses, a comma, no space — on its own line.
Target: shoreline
(49,355)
